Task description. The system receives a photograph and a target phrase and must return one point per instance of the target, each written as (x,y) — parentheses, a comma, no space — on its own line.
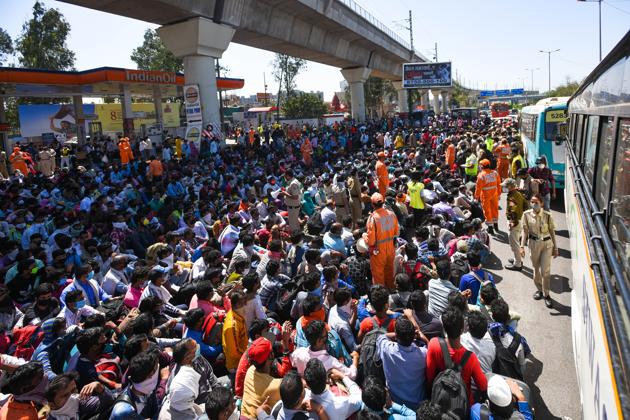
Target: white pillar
(127,111)
(403,105)
(77,102)
(199,41)
(444,101)
(436,101)
(356,78)
(3,119)
(157,103)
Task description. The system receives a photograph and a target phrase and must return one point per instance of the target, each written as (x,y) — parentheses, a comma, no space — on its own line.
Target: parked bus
(500,109)
(597,199)
(466,114)
(543,130)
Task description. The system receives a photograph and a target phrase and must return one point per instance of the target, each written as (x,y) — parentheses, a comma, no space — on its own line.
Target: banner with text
(192,102)
(427,75)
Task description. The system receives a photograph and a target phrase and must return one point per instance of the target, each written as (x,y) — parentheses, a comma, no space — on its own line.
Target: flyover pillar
(77,102)
(436,101)
(445,99)
(157,103)
(199,41)
(403,105)
(356,78)
(127,111)
(424,99)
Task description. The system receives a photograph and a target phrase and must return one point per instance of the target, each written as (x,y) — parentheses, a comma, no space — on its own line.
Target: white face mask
(70,409)
(147,386)
(541,165)
(169,261)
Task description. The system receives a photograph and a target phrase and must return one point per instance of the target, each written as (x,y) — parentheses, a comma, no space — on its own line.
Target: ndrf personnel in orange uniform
(126,155)
(382,230)
(502,151)
(381,174)
(450,153)
(487,192)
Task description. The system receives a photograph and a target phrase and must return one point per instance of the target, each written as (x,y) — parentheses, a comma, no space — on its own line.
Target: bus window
(552,119)
(579,131)
(590,147)
(604,162)
(619,226)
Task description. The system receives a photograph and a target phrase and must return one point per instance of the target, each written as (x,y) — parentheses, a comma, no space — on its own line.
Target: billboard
(59,119)
(486,93)
(111,117)
(427,75)
(193,103)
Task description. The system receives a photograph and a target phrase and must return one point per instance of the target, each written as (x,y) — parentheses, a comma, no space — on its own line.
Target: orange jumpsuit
(18,162)
(126,155)
(382,228)
(488,191)
(450,156)
(307,152)
(502,152)
(383,177)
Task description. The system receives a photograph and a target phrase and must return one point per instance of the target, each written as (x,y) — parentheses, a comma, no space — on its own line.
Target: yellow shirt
(256,388)
(415,199)
(399,142)
(234,339)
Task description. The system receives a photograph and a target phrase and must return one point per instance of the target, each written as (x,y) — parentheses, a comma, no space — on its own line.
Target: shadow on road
(533,372)
(559,284)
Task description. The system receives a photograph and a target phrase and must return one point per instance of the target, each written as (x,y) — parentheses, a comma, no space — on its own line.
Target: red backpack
(212,329)
(418,278)
(26,340)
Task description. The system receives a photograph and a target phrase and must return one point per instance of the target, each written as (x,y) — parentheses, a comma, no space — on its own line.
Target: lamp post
(600,24)
(549,52)
(532,76)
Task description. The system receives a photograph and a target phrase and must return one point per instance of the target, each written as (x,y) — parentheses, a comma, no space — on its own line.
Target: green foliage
(153,55)
(6,46)
(567,89)
(304,105)
(42,44)
(286,69)
(377,92)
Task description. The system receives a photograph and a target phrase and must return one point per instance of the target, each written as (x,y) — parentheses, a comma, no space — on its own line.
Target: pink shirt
(132,297)
(207,306)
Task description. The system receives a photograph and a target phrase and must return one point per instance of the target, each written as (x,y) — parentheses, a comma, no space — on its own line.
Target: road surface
(550,370)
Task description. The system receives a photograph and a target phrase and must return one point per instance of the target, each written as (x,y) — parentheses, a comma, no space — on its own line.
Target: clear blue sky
(490,42)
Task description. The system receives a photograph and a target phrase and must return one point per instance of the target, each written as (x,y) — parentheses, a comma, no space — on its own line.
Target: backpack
(108,366)
(506,363)
(106,414)
(286,296)
(314,224)
(417,277)
(458,269)
(370,362)
(449,390)
(212,328)
(26,340)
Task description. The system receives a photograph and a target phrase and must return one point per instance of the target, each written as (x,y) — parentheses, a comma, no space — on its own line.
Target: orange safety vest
(382,228)
(488,184)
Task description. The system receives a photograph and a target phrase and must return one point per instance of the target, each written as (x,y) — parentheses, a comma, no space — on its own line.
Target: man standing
(382,230)
(354,188)
(502,153)
(342,206)
(471,168)
(414,189)
(516,205)
(293,198)
(381,174)
(450,153)
(539,233)
(488,191)
(542,176)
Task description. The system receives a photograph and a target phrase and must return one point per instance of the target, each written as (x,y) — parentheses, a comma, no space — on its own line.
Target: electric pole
(411,33)
(436,56)
(265,100)
(549,52)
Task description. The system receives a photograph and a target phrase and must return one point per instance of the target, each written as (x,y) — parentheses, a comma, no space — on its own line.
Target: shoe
(514,267)
(490,230)
(538,295)
(496,227)
(511,260)
(548,302)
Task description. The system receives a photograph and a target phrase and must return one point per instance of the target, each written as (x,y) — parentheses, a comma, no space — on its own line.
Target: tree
(377,92)
(42,44)
(304,105)
(567,89)
(153,55)
(286,69)
(6,46)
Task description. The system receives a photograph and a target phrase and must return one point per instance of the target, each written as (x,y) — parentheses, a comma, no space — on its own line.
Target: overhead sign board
(485,93)
(263,96)
(427,75)
(151,76)
(505,92)
(517,91)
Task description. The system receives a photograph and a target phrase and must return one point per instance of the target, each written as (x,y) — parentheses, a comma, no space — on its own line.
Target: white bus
(597,197)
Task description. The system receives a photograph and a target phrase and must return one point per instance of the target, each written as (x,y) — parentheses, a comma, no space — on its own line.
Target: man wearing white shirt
(336,407)
(478,340)
(75,310)
(115,281)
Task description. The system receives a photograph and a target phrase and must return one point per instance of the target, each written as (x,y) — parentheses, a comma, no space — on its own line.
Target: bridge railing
(355,7)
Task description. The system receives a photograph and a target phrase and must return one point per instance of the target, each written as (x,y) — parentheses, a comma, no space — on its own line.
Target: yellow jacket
(234,339)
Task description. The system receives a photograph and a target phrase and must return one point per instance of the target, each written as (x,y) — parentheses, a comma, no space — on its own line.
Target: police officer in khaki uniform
(516,205)
(354,188)
(340,195)
(292,199)
(539,233)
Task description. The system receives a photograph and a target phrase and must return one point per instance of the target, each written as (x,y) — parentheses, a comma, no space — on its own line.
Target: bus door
(554,142)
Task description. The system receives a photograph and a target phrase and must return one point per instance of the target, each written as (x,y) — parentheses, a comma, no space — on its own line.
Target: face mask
(80,304)
(169,261)
(536,207)
(541,166)
(90,275)
(148,385)
(70,409)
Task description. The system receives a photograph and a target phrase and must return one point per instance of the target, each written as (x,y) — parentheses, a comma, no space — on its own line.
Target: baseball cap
(484,162)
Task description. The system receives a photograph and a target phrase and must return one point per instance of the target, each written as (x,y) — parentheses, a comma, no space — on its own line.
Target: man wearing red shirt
(379,300)
(453,322)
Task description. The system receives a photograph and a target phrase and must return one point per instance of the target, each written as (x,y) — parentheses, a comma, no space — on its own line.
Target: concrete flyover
(338,33)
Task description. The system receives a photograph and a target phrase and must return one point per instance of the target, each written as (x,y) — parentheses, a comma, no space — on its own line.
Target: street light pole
(600,25)
(549,52)
(532,76)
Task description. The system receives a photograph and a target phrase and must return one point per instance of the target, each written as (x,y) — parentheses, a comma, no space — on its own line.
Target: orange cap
(381,154)
(484,162)
(377,198)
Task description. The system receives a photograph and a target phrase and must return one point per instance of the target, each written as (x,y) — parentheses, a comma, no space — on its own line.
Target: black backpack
(449,390)
(286,296)
(506,363)
(314,224)
(370,362)
(459,267)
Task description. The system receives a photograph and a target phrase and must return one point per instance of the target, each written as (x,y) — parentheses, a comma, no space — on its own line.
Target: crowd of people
(303,272)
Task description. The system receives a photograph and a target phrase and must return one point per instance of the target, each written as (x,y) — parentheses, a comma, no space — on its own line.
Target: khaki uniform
(3,164)
(354,188)
(293,205)
(342,205)
(516,205)
(47,162)
(539,233)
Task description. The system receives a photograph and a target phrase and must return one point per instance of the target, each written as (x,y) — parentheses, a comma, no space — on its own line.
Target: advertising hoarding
(427,75)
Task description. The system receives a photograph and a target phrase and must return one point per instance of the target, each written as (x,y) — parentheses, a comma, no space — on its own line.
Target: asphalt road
(551,370)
